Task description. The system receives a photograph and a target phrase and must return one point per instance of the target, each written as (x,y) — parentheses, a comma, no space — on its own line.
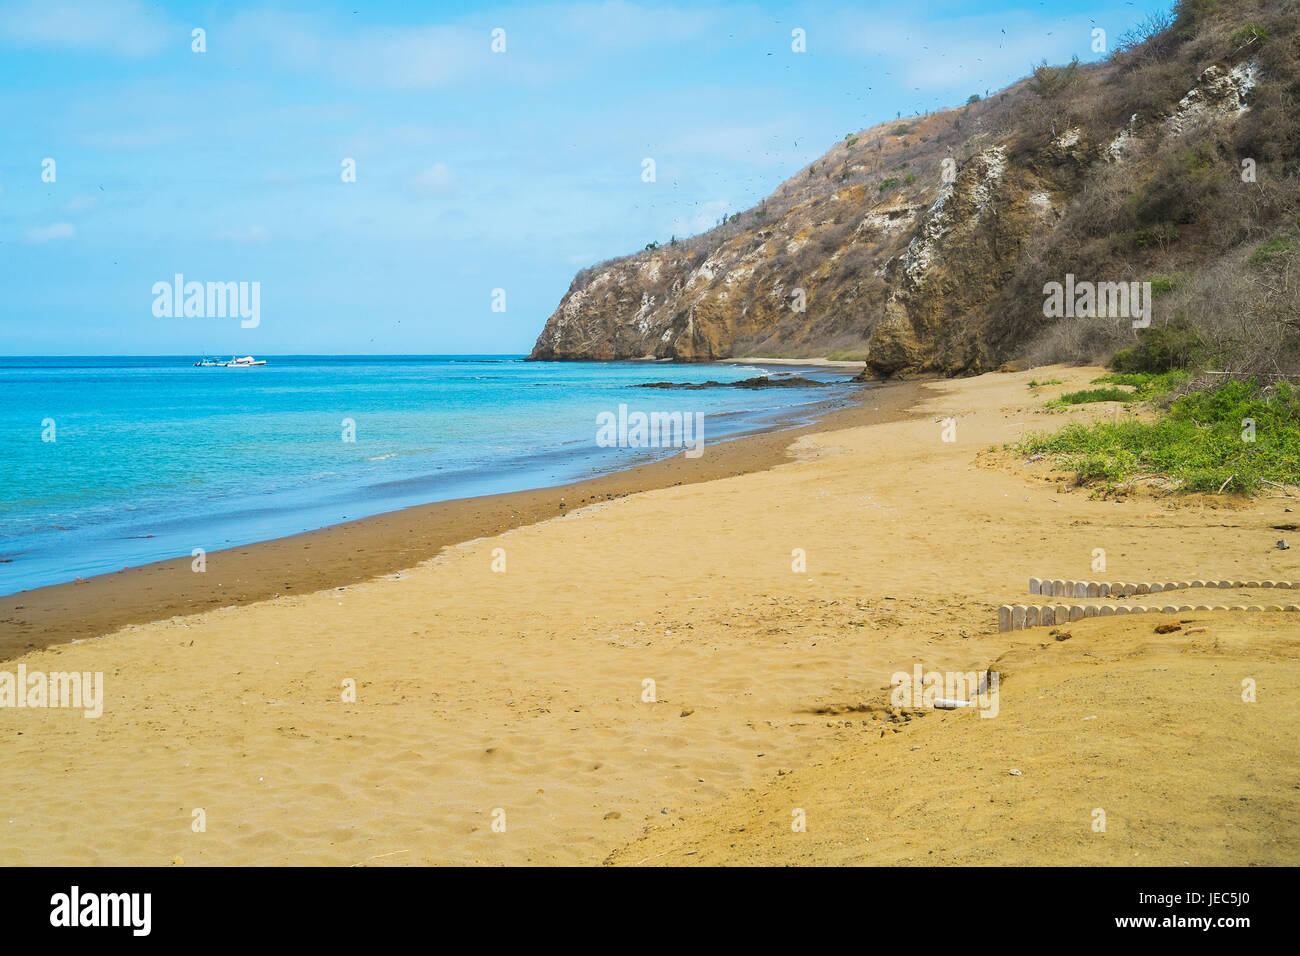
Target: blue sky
(475,170)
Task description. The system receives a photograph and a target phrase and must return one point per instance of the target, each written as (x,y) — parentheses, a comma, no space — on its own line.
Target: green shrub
(1147,385)
(1094,395)
(1160,348)
(1160,235)
(1249,33)
(1201,442)
(1279,247)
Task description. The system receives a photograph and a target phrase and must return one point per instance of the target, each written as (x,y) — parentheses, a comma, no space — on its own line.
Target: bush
(1094,395)
(1249,34)
(1051,81)
(1201,442)
(1160,348)
(1272,252)
(1147,385)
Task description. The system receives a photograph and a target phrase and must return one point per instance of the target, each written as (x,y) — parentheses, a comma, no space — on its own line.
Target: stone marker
(1094,589)
(1155,588)
(1035,586)
(1046,615)
(1106,610)
(1080,589)
(1076,612)
(1017,616)
(1143,589)
(1031,616)
(1090,611)
(1004,617)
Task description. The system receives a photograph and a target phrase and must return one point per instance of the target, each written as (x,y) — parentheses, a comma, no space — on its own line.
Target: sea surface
(153,457)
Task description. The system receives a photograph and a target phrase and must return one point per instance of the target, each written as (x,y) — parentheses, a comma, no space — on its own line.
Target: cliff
(923,244)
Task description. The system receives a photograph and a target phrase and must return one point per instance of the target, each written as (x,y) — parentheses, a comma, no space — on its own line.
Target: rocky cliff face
(923,244)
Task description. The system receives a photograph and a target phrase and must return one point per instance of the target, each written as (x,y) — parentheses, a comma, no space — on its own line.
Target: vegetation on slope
(1236,437)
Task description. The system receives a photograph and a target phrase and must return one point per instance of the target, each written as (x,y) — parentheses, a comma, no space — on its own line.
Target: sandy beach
(667,668)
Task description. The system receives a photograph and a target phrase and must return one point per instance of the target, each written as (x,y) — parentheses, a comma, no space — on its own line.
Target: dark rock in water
(761,381)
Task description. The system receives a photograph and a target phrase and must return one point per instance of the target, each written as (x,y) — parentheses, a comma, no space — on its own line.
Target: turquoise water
(152,457)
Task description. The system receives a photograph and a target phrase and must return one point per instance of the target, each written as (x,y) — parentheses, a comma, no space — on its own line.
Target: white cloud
(54,231)
(412,57)
(434,179)
(121,27)
(981,52)
(251,234)
(617,24)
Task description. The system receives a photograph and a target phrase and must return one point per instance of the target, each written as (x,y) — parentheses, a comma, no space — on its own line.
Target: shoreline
(344,554)
(675,675)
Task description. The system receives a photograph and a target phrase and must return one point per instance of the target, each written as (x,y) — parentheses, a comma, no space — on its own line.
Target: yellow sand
(521,691)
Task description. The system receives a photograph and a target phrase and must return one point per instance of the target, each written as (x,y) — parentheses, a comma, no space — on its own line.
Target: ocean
(120,461)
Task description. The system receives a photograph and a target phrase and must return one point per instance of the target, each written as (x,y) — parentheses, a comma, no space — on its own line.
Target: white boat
(246,362)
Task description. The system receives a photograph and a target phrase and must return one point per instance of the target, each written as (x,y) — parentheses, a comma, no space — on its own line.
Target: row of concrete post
(1013,617)
(1092,589)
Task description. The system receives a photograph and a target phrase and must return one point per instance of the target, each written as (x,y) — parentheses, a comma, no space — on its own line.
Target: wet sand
(381,544)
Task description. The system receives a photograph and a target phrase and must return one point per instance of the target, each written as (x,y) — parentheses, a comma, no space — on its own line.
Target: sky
(484,178)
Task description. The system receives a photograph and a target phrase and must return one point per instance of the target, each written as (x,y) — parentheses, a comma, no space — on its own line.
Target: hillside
(924,244)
